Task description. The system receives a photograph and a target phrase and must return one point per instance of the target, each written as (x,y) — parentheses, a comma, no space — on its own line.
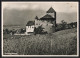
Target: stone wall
(47,25)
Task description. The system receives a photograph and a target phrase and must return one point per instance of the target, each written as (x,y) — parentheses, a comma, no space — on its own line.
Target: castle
(48,22)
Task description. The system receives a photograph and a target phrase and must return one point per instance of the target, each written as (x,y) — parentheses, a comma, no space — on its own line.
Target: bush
(38,30)
(22,30)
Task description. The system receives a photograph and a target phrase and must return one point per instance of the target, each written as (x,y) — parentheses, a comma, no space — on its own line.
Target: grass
(59,43)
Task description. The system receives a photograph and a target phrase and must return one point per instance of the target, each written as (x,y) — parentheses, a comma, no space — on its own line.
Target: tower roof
(47,16)
(51,10)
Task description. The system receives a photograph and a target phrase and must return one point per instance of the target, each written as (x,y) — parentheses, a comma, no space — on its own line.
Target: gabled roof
(30,23)
(47,16)
(51,10)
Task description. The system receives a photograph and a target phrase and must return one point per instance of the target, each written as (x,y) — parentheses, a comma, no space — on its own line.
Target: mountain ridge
(21,17)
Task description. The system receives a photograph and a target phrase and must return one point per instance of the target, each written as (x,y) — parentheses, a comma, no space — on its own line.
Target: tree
(22,30)
(30,23)
(36,17)
(7,31)
(38,30)
(63,23)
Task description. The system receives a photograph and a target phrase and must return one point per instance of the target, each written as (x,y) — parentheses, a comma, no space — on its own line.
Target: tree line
(13,31)
(61,26)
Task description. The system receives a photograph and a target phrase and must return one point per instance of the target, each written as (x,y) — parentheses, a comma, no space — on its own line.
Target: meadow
(59,43)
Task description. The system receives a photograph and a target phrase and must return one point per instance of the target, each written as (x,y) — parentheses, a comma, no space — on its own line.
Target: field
(59,43)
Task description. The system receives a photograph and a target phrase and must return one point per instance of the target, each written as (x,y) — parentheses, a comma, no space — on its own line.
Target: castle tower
(48,21)
(37,21)
(51,12)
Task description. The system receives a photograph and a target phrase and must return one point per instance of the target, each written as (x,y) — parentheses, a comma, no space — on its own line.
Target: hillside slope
(59,43)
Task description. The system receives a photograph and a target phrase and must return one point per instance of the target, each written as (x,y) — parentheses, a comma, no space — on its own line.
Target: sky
(58,6)
(22,12)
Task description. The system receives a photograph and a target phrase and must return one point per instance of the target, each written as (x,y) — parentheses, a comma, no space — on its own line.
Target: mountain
(68,17)
(21,17)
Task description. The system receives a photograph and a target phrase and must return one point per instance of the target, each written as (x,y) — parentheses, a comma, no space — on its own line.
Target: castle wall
(29,29)
(52,14)
(48,26)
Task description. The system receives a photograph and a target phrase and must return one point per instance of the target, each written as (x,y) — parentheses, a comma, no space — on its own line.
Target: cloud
(58,6)
(18,6)
(34,7)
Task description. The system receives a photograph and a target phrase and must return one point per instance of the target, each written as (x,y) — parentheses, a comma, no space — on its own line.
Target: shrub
(38,30)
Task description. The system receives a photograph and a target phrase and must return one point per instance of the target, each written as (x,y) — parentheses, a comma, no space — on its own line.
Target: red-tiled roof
(51,10)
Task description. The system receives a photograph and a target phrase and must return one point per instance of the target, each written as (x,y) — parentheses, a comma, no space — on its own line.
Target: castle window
(32,27)
(29,26)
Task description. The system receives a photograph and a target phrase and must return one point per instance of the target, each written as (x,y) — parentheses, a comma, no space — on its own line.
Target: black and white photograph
(31,29)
